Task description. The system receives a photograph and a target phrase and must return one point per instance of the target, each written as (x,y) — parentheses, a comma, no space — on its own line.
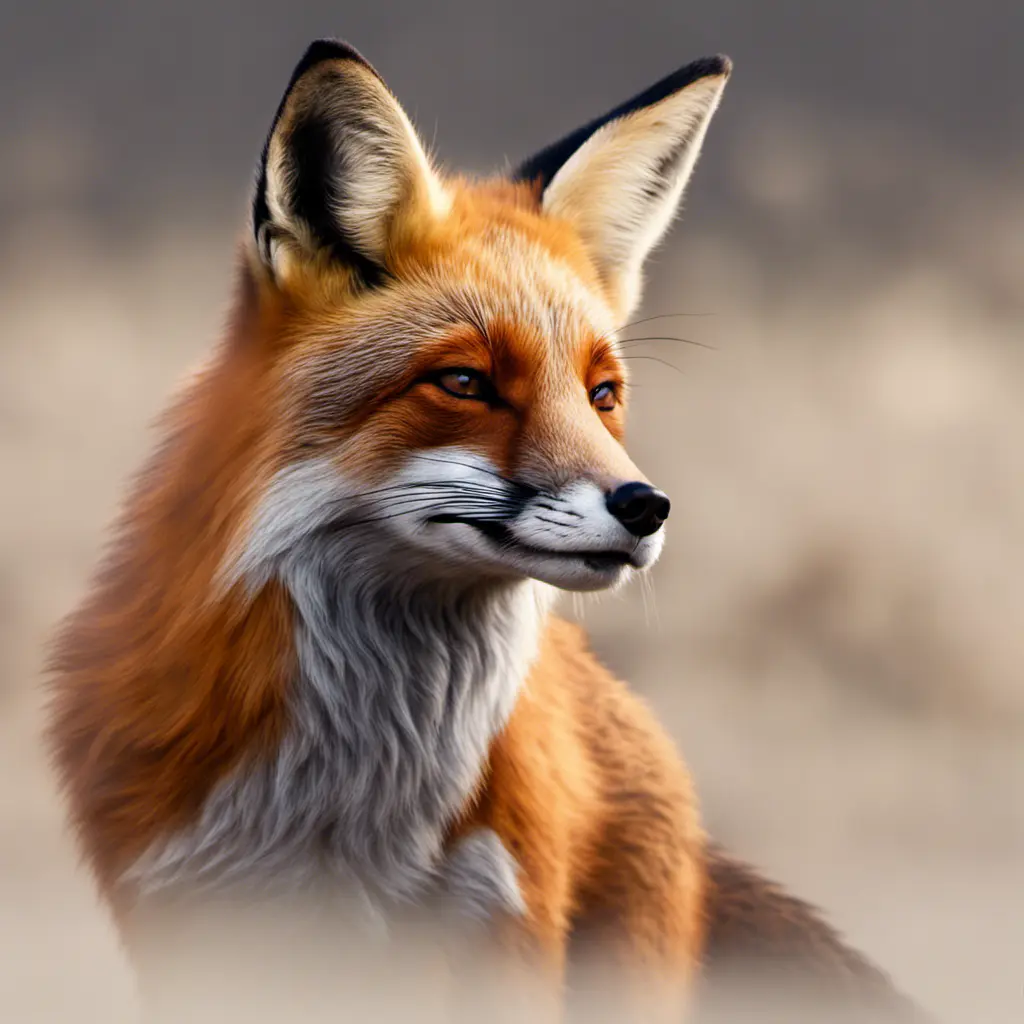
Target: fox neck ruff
(402,684)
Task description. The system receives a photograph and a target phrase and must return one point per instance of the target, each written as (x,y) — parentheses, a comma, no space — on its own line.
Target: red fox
(322,654)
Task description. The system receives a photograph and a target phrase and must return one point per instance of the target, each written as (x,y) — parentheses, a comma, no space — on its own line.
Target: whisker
(651,617)
(434,508)
(660,316)
(562,511)
(399,489)
(437,497)
(655,359)
(438,486)
(668,337)
(490,507)
(518,484)
(348,524)
(553,522)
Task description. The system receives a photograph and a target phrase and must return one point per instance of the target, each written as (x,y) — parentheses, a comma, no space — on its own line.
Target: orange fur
(591,798)
(162,689)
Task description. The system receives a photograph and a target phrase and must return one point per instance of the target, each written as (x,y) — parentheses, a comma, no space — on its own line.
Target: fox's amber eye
(603,397)
(464,383)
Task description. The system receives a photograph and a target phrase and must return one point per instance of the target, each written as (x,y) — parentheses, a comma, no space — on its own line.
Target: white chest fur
(401,688)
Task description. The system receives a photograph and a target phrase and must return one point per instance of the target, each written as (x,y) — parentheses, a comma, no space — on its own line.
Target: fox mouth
(500,535)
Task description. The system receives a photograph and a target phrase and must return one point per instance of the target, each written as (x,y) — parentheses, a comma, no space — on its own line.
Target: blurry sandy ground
(834,633)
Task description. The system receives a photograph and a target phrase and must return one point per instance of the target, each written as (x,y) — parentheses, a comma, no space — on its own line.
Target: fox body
(321,654)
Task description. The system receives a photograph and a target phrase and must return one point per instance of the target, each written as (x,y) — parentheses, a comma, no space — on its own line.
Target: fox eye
(603,397)
(465,383)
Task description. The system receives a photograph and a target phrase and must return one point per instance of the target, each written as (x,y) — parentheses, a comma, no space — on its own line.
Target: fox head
(447,388)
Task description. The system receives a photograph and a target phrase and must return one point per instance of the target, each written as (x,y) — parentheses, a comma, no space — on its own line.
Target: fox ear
(341,170)
(620,178)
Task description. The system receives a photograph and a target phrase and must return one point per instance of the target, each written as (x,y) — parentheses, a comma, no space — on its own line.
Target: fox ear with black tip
(619,179)
(342,170)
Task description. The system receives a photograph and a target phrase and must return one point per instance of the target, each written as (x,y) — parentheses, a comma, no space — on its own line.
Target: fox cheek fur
(321,651)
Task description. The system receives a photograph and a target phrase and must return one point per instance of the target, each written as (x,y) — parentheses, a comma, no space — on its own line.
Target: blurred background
(836,632)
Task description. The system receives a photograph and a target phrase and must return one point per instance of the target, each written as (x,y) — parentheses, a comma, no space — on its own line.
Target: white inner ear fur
(378,155)
(384,167)
(613,189)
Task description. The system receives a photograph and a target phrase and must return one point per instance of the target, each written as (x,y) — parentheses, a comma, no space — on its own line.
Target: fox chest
(386,741)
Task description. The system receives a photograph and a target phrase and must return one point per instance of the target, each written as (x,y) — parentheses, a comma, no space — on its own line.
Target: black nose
(640,507)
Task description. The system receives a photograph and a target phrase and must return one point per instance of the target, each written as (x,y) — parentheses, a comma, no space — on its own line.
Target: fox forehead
(529,288)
